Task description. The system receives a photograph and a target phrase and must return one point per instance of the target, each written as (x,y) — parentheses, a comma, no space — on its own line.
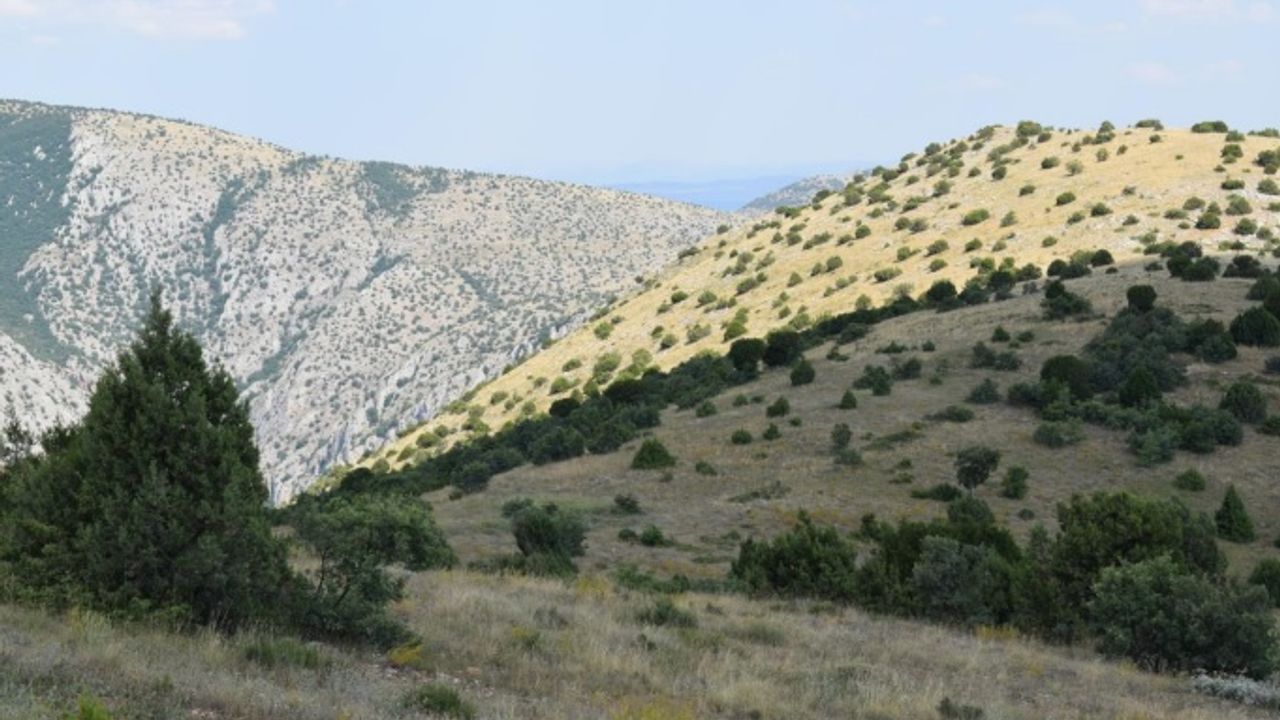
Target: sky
(676,93)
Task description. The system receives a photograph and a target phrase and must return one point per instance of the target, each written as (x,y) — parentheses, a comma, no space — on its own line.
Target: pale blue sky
(611,92)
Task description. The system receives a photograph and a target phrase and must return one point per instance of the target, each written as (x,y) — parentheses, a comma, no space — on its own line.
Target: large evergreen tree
(155,502)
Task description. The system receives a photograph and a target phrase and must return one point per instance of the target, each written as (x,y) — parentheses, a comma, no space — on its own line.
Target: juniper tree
(1232,519)
(154,502)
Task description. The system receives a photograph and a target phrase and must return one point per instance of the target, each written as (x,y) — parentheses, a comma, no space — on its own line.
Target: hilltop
(1003,197)
(346,298)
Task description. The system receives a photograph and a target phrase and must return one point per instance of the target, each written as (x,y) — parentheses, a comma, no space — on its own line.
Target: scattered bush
(1256,326)
(1056,434)
(1190,480)
(808,561)
(438,700)
(1245,401)
(802,373)
(974,465)
(1267,575)
(985,393)
(1014,483)
(1232,520)
(778,408)
(664,613)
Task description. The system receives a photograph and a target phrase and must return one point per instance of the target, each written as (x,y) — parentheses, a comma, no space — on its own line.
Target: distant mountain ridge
(345,297)
(800,192)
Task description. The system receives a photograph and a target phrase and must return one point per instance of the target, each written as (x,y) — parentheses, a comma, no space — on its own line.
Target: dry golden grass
(1160,177)
(526,648)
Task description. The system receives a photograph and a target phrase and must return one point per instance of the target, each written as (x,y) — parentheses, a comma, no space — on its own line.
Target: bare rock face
(348,299)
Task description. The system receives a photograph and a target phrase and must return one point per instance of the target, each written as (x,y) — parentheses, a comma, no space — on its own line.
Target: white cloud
(191,19)
(18,8)
(1153,73)
(1262,12)
(1210,10)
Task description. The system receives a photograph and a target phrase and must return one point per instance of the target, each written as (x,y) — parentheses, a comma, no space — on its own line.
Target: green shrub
(626,505)
(664,613)
(1065,198)
(702,467)
(974,465)
(841,436)
(1069,372)
(1014,483)
(745,354)
(1267,575)
(960,584)
(953,413)
(802,373)
(808,561)
(652,536)
(1165,619)
(740,437)
(652,455)
(1142,298)
(1256,326)
(974,217)
(1190,480)
(874,378)
(942,492)
(1059,303)
(548,537)
(778,408)
(848,401)
(438,700)
(1245,401)
(706,409)
(985,393)
(1057,434)
(1232,520)
(782,348)
(1210,126)
(154,502)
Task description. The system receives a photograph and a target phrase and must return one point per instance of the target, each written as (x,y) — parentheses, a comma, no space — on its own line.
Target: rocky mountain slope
(347,298)
(799,192)
(1003,196)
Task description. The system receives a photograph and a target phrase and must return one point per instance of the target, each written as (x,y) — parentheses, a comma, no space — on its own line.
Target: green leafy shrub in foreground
(808,561)
(124,513)
(1166,619)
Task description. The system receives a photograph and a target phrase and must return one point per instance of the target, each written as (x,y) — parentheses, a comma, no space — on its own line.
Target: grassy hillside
(597,647)
(528,648)
(759,488)
(1058,192)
